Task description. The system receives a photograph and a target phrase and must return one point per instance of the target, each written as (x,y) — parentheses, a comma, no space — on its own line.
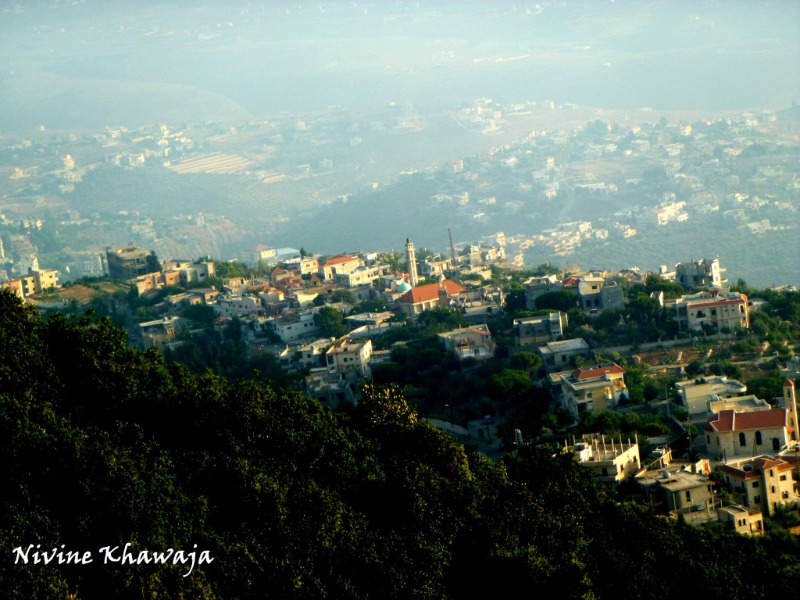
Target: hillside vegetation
(104,445)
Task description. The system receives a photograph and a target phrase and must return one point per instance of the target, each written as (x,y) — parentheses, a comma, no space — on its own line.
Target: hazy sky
(91,63)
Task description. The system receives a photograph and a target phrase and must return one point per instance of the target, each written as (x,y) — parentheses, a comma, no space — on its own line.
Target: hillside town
(714,451)
(574,189)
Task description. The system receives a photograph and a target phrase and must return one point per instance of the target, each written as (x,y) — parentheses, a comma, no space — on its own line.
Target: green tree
(562,300)
(330,321)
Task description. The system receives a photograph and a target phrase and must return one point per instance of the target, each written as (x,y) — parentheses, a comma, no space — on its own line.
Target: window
(742,439)
(783,477)
(756,484)
(757,499)
(688,496)
(758,440)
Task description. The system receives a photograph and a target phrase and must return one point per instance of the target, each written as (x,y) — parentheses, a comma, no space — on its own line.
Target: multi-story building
(704,273)
(160,332)
(597,294)
(594,388)
(363,275)
(237,306)
(538,286)
(129,262)
(470,342)
(684,489)
(559,355)
(191,272)
(339,264)
(435,268)
(305,265)
(350,357)
(714,312)
(696,394)
(763,483)
(743,520)
(296,327)
(540,330)
(611,461)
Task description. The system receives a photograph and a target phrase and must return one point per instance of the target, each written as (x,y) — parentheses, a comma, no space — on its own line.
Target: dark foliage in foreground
(103,445)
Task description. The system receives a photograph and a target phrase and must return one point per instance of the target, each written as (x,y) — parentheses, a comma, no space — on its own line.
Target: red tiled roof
(582,373)
(730,420)
(761,464)
(788,383)
(426,293)
(337,260)
(571,281)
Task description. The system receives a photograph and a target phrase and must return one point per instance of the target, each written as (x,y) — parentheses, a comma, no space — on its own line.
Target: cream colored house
(470,342)
(350,357)
(696,394)
(611,461)
(743,520)
(763,483)
(594,388)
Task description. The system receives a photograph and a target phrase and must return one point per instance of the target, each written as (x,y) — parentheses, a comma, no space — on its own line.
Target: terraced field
(216,162)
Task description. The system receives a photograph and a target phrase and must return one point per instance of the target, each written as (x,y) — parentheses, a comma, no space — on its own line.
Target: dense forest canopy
(105,445)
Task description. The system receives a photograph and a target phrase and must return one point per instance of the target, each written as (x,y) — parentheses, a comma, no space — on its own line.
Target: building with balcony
(592,388)
(763,483)
(540,330)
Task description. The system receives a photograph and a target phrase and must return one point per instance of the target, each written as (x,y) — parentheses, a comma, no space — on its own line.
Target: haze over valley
(199,129)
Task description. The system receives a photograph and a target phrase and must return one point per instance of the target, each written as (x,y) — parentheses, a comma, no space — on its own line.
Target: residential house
(313,354)
(597,294)
(763,483)
(704,273)
(540,330)
(471,342)
(339,264)
(594,388)
(538,286)
(714,312)
(304,265)
(237,306)
(363,275)
(435,268)
(260,252)
(683,489)
(350,357)
(159,333)
(696,394)
(743,520)
(611,461)
(191,272)
(35,282)
(128,262)
(296,327)
(730,433)
(560,354)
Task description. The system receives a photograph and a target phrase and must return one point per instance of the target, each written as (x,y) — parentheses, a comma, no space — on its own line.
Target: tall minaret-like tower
(790,404)
(412,264)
